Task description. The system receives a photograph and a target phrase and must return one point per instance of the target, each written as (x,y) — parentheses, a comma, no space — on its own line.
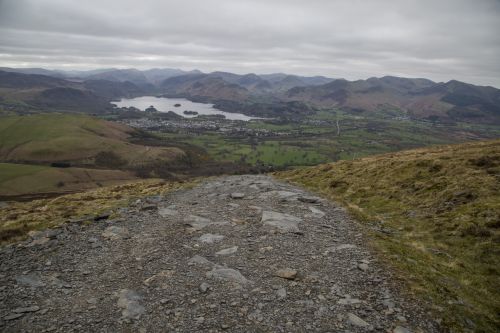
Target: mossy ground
(19,218)
(434,214)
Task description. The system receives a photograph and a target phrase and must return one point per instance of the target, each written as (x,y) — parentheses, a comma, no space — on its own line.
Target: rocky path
(235,254)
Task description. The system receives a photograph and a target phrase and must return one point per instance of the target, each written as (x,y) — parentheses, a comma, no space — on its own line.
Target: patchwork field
(326,136)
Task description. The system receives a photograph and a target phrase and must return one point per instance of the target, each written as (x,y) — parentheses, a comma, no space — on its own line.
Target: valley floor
(236,254)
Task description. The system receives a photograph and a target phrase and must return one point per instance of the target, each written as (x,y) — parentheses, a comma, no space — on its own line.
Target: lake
(164,104)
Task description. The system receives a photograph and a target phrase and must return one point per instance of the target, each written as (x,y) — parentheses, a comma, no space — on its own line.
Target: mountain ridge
(417,98)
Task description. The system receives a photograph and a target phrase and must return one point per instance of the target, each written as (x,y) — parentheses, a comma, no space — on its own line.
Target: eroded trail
(237,254)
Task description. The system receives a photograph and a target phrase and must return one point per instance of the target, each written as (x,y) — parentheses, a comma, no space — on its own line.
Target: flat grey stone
(364,267)
(347,300)
(33,308)
(286,273)
(115,232)
(30,280)
(237,195)
(316,213)
(13,316)
(280,221)
(227,251)
(166,212)
(281,293)
(308,199)
(199,260)
(344,247)
(210,238)
(227,274)
(356,321)
(401,329)
(197,222)
(128,301)
(204,287)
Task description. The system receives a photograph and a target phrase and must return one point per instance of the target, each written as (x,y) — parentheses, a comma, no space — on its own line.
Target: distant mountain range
(92,91)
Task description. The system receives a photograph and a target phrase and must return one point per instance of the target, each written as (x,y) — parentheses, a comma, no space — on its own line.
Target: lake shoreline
(178,105)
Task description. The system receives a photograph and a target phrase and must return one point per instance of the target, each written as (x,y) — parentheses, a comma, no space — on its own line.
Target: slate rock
(129,302)
(210,238)
(197,222)
(33,308)
(30,280)
(115,232)
(227,274)
(197,259)
(308,199)
(356,321)
(227,251)
(166,212)
(286,273)
(280,221)
(237,195)
(13,316)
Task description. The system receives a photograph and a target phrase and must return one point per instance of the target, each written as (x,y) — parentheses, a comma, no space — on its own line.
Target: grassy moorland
(21,180)
(19,218)
(434,213)
(78,139)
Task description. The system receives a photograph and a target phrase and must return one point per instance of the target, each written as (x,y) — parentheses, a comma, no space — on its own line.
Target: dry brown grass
(434,213)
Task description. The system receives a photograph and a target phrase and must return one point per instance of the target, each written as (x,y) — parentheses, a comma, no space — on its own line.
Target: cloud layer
(440,40)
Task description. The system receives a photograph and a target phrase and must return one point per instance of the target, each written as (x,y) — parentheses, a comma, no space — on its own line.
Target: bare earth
(234,254)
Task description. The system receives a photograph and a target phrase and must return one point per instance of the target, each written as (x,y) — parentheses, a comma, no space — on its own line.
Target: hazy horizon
(234,72)
(440,41)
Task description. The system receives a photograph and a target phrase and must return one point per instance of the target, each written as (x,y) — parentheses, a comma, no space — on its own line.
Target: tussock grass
(434,213)
(18,218)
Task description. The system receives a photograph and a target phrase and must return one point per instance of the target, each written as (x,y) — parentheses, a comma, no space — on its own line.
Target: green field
(434,213)
(316,139)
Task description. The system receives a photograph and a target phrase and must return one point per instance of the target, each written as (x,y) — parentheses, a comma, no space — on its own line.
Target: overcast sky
(436,39)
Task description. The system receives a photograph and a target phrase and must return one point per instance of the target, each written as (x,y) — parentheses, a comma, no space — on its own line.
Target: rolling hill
(76,139)
(59,153)
(434,213)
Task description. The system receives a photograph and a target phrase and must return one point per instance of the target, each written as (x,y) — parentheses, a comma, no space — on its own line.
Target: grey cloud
(441,40)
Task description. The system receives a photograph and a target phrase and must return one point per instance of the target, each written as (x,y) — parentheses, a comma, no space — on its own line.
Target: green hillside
(24,180)
(434,213)
(45,138)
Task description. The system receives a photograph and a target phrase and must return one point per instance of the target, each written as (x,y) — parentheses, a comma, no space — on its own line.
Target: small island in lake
(191,113)
(177,105)
(151,109)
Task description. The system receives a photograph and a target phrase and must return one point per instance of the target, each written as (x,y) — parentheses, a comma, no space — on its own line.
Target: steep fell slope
(435,213)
